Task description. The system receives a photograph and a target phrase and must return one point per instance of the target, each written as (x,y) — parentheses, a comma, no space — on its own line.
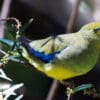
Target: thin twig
(3,14)
(71,23)
(73,16)
(53,90)
(68,97)
(3,52)
(1,96)
(13,19)
(18,24)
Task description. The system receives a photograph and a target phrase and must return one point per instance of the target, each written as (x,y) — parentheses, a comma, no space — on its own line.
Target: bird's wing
(63,46)
(44,49)
(69,44)
(76,45)
(49,45)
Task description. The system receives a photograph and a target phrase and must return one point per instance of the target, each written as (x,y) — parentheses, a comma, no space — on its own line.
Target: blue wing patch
(40,55)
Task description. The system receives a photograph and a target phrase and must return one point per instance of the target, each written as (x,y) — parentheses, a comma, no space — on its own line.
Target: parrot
(64,56)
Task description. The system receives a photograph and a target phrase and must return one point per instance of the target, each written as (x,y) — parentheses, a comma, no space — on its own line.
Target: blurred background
(50,17)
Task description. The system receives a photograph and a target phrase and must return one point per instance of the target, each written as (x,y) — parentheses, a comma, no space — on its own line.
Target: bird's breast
(72,67)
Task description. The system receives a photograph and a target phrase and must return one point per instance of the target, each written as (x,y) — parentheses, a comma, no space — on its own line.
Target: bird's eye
(97,30)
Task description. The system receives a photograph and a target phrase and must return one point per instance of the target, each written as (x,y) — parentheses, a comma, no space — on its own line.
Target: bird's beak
(96,29)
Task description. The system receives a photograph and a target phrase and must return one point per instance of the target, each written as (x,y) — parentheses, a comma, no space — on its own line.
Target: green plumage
(79,53)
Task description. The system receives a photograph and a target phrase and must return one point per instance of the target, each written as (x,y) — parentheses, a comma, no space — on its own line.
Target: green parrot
(64,56)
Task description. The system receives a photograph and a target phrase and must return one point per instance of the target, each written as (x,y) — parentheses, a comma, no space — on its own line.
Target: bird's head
(94,27)
(93,31)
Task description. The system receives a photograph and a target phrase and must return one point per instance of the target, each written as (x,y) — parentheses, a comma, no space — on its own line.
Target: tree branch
(73,16)
(3,14)
(55,84)
(53,90)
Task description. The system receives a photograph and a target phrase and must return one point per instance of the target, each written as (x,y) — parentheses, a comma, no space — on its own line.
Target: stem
(73,16)
(3,52)
(69,93)
(71,22)
(1,96)
(53,90)
(18,24)
(4,13)
(68,96)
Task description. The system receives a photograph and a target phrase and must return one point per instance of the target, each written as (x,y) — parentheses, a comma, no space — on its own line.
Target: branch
(73,16)
(53,90)
(55,84)
(4,13)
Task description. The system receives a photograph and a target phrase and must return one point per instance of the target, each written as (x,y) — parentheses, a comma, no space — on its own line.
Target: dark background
(50,17)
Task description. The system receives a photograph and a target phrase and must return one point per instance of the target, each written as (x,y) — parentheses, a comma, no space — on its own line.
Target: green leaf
(16,58)
(82,87)
(7,42)
(25,26)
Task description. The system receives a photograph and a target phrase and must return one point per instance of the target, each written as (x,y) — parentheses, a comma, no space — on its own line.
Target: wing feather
(49,45)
